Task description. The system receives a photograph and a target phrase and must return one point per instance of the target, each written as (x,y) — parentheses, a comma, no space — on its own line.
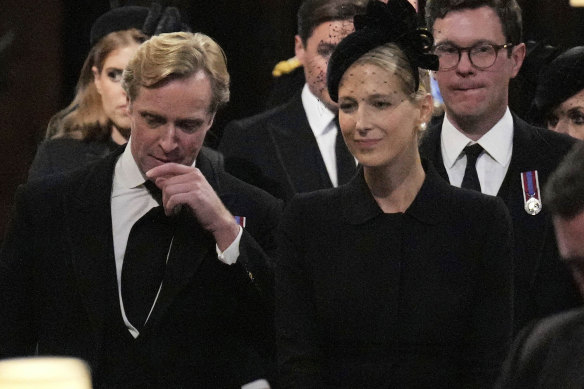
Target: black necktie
(145,262)
(155,191)
(471,178)
(345,162)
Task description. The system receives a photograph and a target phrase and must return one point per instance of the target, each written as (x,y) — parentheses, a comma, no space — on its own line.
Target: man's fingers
(159,182)
(170,189)
(175,203)
(168,169)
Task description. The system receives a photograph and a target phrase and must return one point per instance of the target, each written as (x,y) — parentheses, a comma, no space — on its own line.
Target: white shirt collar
(497,142)
(128,174)
(318,115)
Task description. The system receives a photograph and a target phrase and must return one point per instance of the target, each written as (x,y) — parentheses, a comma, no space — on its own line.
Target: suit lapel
(431,150)
(529,231)
(297,151)
(190,245)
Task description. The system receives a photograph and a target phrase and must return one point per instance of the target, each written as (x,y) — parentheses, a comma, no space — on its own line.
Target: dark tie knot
(155,191)
(472,152)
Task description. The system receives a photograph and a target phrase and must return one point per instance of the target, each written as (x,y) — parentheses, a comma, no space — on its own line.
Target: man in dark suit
(297,147)
(481,145)
(549,353)
(139,264)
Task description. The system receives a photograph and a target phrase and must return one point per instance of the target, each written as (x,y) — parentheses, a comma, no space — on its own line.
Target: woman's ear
(426,104)
(96,79)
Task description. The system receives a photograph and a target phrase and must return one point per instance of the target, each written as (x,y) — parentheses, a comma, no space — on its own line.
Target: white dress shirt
(129,202)
(492,164)
(322,124)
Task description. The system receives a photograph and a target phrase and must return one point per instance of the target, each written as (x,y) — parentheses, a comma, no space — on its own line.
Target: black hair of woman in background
(395,279)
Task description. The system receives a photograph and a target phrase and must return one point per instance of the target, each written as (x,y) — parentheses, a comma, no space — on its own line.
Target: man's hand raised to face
(185,185)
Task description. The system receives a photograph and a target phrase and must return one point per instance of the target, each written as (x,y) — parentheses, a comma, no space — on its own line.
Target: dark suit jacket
(276,151)
(211,326)
(65,154)
(547,354)
(542,283)
(421,299)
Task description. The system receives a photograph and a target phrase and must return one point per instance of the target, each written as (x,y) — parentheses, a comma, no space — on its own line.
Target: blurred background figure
(550,353)
(296,147)
(522,88)
(559,98)
(97,120)
(288,76)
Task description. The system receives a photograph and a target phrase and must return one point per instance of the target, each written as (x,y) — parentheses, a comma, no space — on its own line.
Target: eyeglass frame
(468,49)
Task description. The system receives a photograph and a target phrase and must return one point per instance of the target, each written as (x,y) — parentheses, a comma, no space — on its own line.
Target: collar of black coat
(428,207)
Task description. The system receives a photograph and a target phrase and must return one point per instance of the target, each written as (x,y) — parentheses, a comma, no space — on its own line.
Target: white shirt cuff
(231,253)
(257,384)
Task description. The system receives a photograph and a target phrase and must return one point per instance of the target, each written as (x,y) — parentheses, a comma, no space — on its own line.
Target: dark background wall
(43,44)
(30,86)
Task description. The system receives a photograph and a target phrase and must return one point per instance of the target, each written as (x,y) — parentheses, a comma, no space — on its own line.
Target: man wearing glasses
(481,145)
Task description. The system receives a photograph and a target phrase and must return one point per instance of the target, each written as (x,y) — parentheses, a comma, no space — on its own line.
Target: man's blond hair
(178,55)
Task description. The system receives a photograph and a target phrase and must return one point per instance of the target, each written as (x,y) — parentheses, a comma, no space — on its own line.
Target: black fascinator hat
(560,80)
(394,22)
(151,21)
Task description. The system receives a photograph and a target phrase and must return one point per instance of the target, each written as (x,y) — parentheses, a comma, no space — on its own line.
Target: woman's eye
(346,107)
(381,104)
(577,117)
(115,75)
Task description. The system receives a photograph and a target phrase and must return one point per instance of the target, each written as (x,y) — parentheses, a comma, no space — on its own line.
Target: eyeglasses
(481,55)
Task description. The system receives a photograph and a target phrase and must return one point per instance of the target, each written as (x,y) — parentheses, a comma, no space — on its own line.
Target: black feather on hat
(382,23)
(151,21)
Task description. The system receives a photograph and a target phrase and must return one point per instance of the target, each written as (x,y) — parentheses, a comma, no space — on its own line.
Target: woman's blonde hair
(391,58)
(84,118)
(166,57)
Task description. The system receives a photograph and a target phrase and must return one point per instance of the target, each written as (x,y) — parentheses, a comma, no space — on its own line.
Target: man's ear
(299,49)
(518,55)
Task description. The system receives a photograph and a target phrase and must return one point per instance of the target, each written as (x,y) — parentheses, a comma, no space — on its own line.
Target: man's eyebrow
(190,121)
(450,43)
(151,115)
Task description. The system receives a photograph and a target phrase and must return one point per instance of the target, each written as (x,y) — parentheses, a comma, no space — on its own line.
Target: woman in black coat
(96,122)
(395,280)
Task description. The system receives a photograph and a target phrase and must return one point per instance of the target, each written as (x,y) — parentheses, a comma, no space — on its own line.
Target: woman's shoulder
(74,145)
(320,204)
(65,154)
(322,197)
